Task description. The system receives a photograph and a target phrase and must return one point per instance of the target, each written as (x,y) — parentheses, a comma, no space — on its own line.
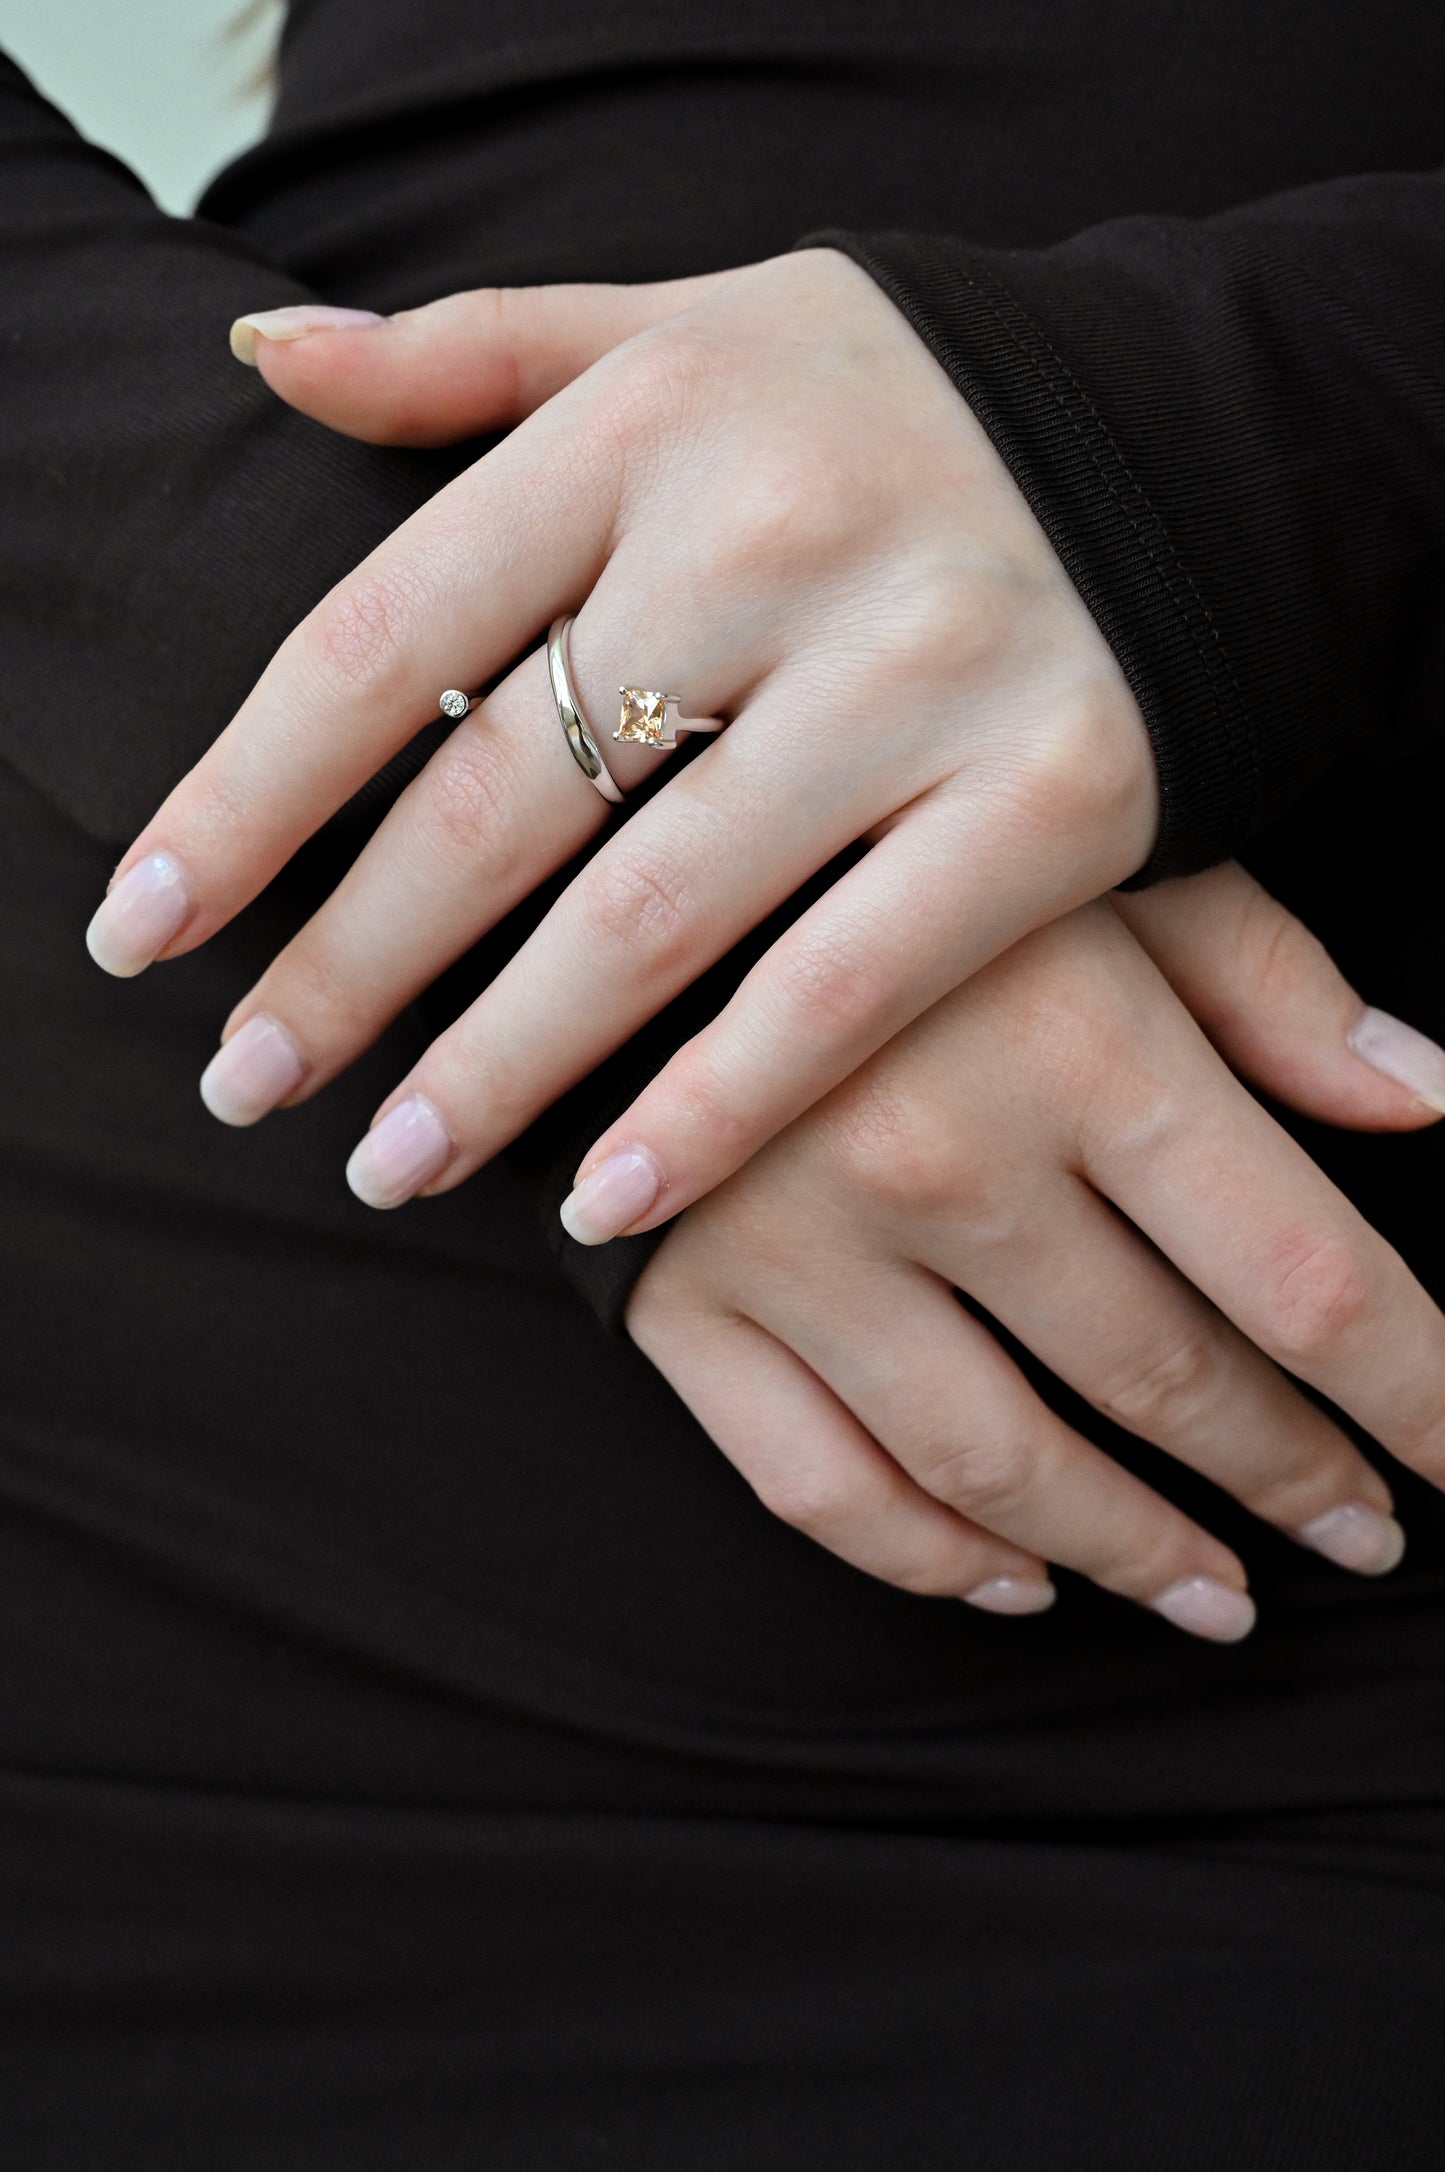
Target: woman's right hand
(1059,1140)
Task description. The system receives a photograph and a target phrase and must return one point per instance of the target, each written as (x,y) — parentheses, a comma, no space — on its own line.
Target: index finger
(449,599)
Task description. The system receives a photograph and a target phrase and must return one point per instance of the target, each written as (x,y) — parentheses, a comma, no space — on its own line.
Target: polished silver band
(585,751)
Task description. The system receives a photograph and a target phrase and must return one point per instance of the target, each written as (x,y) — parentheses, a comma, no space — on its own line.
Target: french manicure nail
(146,910)
(298,320)
(612,1196)
(1013,1595)
(1356,1536)
(409,1147)
(1402,1054)
(1207,1608)
(251,1072)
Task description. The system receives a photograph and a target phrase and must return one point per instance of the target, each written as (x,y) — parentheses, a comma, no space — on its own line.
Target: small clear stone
(454,702)
(644,716)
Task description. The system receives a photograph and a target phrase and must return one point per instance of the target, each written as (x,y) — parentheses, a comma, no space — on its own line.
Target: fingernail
(611,1197)
(405,1150)
(1357,1536)
(251,1072)
(146,910)
(1402,1054)
(1013,1595)
(297,321)
(1207,1609)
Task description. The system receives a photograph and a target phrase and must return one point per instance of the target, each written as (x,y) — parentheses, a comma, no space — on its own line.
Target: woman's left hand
(1059,1140)
(759,489)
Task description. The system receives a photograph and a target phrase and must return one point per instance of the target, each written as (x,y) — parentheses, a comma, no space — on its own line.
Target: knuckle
(1281,960)
(937,1573)
(218,813)
(633,898)
(648,386)
(889,1150)
(987,1476)
(809,1496)
(786,509)
(469,1077)
(827,991)
(703,1105)
(662,1305)
(1320,1292)
(1154,1559)
(1166,1393)
(1419,1439)
(947,617)
(1303,1488)
(1090,768)
(1062,1021)
(314,987)
(358,635)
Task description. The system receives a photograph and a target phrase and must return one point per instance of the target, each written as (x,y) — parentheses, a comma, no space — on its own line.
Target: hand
(1059,1140)
(769,497)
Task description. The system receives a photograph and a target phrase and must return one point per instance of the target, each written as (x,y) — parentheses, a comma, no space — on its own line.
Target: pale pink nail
(1356,1536)
(297,321)
(611,1197)
(409,1147)
(251,1072)
(1207,1608)
(1013,1595)
(146,910)
(1402,1054)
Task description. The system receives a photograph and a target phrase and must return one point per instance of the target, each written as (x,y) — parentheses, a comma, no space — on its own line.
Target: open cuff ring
(647,719)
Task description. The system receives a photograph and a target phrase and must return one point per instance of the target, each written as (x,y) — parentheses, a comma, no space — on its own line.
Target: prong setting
(647,718)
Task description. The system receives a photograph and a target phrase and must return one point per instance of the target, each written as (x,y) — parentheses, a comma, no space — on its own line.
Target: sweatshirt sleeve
(1232,430)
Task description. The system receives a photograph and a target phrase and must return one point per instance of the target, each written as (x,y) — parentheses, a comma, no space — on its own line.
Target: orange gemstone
(644,716)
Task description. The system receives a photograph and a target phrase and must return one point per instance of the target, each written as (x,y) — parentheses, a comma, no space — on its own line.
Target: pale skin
(1058,1139)
(764,487)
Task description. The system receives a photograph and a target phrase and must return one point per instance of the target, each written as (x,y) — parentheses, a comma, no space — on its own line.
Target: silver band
(585,751)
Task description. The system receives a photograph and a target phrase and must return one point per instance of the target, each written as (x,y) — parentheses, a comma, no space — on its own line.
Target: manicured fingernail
(1357,1536)
(611,1197)
(251,1072)
(1013,1595)
(146,910)
(405,1150)
(1402,1054)
(297,321)
(1207,1609)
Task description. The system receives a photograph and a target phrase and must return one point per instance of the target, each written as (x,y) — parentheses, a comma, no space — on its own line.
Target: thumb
(1277,1007)
(470,362)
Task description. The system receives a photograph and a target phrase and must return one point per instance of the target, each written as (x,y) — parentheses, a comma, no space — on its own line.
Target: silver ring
(585,751)
(647,719)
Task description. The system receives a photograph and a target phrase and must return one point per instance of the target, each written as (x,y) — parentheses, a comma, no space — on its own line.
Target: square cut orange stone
(644,716)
